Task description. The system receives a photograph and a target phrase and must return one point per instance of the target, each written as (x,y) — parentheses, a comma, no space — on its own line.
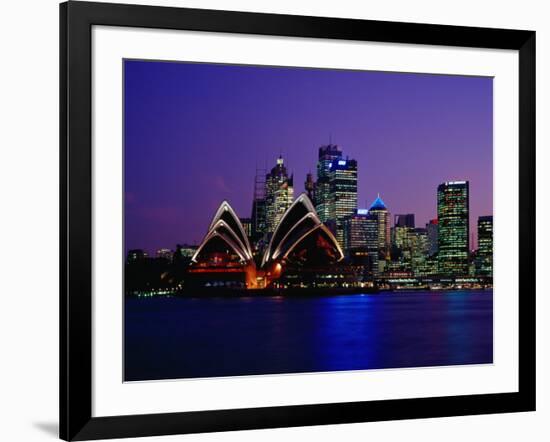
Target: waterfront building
(432,231)
(418,250)
(427,268)
(453,228)
(327,154)
(409,248)
(343,194)
(279,194)
(355,231)
(401,238)
(224,258)
(401,243)
(301,248)
(484,264)
(379,211)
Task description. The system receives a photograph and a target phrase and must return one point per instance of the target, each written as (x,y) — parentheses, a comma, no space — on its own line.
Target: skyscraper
(484,265)
(453,227)
(327,154)
(355,231)
(279,194)
(258,217)
(401,237)
(372,232)
(419,250)
(432,229)
(379,211)
(309,186)
(343,194)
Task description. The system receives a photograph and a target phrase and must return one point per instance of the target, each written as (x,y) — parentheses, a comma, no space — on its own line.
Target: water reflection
(177,337)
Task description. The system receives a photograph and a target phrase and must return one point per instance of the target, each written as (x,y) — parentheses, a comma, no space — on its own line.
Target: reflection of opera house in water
(302,252)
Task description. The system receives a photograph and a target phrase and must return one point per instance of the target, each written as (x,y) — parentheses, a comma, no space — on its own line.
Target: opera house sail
(300,244)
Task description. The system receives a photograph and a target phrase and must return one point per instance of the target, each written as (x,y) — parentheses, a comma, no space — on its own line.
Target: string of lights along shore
(320,237)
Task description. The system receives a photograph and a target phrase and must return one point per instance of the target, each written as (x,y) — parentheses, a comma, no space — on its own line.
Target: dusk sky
(195,133)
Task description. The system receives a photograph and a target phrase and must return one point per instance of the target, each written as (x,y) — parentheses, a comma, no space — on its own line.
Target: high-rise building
(404,220)
(258,219)
(379,211)
(453,227)
(343,194)
(372,233)
(279,194)
(401,236)
(432,230)
(355,231)
(484,265)
(309,186)
(409,247)
(327,154)
(419,250)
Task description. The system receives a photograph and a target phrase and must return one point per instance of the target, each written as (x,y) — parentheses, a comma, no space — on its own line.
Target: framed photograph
(272,220)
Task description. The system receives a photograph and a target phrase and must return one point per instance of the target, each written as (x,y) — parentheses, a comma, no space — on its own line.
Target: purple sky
(194,134)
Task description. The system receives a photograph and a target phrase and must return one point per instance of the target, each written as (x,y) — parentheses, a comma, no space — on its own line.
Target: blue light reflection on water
(167,338)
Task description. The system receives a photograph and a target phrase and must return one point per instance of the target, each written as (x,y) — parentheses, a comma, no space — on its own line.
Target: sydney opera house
(301,252)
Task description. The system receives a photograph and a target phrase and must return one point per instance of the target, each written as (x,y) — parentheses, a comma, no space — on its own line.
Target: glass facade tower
(485,245)
(453,228)
(279,194)
(343,194)
(432,230)
(327,154)
(379,211)
(356,231)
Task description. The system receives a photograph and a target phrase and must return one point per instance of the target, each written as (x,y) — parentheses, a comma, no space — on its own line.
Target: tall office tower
(454,227)
(380,212)
(400,237)
(484,266)
(372,241)
(343,194)
(279,194)
(309,185)
(432,229)
(404,220)
(327,154)
(258,219)
(355,231)
(418,250)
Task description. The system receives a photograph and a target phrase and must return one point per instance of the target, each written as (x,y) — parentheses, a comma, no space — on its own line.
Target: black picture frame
(76,21)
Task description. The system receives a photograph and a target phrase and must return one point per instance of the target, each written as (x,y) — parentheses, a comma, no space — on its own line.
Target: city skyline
(169,140)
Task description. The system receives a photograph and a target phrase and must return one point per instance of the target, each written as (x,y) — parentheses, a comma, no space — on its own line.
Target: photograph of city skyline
(292,220)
